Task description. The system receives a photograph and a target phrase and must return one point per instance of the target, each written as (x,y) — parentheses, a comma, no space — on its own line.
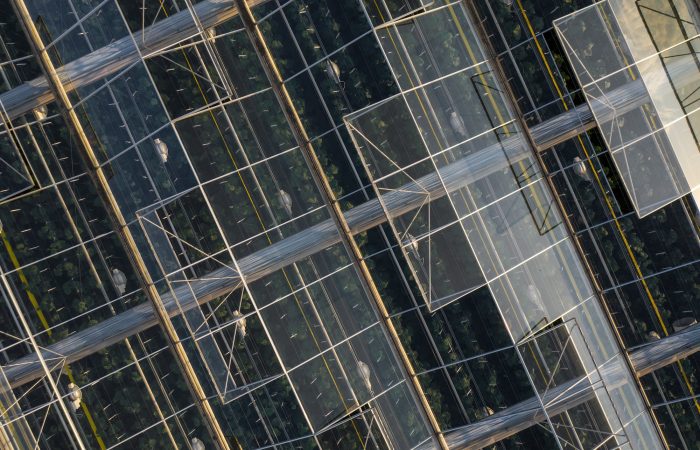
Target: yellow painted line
(566,107)
(502,121)
(619,49)
(541,52)
(45,324)
(415,90)
(86,411)
(636,265)
(497,110)
(11,425)
(420,101)
(25,283)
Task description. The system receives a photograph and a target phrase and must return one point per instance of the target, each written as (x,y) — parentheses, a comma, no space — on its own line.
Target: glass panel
(571,389)
(637,63)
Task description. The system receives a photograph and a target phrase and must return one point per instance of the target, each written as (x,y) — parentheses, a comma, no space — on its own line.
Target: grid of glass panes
(401,148)
(337,81)
(652,137)
(202,196)
(58,265)
(643,265)
(327,97)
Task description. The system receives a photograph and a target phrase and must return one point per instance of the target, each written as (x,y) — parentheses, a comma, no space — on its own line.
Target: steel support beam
(666,351)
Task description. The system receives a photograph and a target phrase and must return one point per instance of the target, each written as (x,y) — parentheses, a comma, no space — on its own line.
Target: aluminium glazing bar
(119,55)
(315,239)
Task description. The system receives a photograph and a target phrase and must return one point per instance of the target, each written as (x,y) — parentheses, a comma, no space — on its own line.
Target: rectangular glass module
(638,66)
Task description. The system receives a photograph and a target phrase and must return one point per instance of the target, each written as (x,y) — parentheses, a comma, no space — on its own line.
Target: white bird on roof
(581,169)
(162,148)
(286,201)
(241,324)
(75,395)
(333,71)
(119,280)
(534,296)
(197,444)
(412,245)
(457,124)
(365,374)
(41,112)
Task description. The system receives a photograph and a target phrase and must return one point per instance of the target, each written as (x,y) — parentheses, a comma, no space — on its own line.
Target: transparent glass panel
(571,389)
(637,64)
(539,291)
